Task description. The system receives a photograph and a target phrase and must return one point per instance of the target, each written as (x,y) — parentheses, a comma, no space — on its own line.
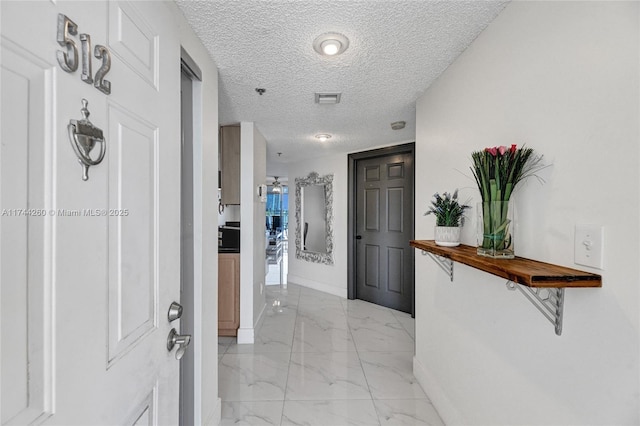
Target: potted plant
(449,215)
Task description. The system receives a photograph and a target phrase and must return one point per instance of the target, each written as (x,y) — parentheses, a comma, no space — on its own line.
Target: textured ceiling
(397,49)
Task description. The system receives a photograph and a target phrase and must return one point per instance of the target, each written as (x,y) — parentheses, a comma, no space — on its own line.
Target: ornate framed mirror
(314,218)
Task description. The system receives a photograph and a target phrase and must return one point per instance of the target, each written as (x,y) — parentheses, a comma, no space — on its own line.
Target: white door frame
(191,401)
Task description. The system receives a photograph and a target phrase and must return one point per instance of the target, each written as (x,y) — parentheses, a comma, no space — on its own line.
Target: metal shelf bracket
(445,264)
(549,301)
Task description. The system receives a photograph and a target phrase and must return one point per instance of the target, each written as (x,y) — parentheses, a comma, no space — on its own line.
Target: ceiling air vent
(328,98)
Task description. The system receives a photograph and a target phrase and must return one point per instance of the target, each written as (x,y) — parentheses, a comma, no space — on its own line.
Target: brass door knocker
(83,136)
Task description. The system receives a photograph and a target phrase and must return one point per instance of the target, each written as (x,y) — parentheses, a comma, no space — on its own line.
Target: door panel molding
(371,199)
(372,266)
(395,256)
(133,40)
(396,200)
(372,174)
(395,170)
(133,276)
(145,412)
(26,249)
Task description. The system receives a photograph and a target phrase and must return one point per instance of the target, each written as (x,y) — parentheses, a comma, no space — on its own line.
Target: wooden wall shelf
(542,283)
(519,270)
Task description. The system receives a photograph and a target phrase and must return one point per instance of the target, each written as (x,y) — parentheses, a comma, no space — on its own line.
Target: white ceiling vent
(328,98)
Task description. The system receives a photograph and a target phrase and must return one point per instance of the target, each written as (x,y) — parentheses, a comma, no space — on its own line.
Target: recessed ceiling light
(323,137)
(330,44)
(330,47)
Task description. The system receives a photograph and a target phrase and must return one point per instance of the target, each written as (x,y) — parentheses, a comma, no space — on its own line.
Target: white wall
(329,278)
(561,77)
(259,214)
(253,168)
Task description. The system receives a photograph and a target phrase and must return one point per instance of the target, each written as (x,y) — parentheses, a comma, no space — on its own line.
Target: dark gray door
(384,227)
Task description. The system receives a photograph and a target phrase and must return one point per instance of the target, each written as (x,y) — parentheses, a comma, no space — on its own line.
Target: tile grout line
(364,374)
(357,351)
(293,338)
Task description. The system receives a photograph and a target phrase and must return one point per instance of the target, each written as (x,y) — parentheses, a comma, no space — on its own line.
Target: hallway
(323,360)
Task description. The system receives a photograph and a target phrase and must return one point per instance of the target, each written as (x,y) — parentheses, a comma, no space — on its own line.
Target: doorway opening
(380,225)
(277,232)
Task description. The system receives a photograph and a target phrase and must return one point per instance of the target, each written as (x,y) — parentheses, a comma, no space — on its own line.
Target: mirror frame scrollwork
(326,182)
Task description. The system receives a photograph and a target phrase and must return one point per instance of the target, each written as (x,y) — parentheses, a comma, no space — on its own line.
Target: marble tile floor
(322,360)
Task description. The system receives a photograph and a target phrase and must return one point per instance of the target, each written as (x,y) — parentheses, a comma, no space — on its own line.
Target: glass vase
(495,229)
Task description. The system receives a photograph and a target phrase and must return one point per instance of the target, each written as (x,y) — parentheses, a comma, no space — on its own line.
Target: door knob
(180,340)
(175,311)
(358,237)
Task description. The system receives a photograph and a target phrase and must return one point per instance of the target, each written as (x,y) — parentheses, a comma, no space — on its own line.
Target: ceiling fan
(277,186)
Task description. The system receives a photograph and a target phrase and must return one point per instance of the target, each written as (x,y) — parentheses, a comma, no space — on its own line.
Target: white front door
(89,268)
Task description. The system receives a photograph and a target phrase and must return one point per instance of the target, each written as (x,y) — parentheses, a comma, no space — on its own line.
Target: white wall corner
(443,405)
(247,233)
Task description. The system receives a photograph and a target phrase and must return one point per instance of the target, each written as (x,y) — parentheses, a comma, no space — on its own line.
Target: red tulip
(493,151)
(513,148)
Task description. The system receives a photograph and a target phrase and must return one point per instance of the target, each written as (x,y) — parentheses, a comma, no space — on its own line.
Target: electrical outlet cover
(589,242)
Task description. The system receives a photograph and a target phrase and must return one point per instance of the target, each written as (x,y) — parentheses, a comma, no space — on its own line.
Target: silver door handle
(180,340)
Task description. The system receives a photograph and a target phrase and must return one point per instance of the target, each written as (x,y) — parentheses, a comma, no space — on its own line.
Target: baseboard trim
(326,288)
(246,336)
(441,402)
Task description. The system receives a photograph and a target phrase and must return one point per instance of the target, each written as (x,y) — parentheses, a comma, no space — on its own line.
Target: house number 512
(68,58)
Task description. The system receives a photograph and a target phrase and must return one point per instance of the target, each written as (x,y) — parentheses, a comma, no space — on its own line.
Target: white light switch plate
(589,242)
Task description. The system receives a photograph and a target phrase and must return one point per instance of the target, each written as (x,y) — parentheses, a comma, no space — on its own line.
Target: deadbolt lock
(175,311)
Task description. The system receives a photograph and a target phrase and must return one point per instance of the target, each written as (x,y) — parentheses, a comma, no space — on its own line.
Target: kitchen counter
(228,250)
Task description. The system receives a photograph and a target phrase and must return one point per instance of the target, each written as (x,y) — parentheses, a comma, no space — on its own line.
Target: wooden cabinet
(228,294)
(230,164)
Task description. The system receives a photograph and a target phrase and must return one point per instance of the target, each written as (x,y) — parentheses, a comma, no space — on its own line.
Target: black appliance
(229,237)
